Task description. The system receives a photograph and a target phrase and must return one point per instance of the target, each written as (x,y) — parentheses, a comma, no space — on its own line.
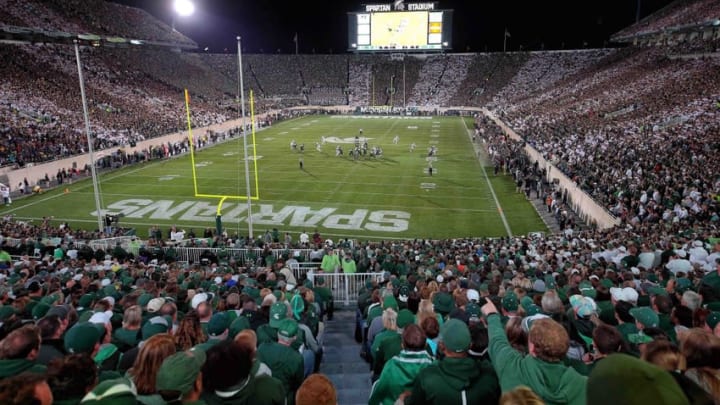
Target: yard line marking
(81,187)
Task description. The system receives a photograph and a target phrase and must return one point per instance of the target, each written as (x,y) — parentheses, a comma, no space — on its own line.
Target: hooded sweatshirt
(12,367)
(262,390)
(397,376)
(555,383)
(455,381)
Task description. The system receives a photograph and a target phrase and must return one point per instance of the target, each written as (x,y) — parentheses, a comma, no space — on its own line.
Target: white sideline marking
(492,190)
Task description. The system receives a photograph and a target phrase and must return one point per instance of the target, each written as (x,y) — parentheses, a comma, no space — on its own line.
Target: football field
(390,196)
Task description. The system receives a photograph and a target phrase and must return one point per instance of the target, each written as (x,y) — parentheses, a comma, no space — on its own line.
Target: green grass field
(388,197)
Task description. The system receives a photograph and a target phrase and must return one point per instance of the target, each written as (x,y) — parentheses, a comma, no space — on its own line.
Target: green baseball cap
(180,371)
(712,320)
(533,310)
(86,300)
(639,338)
(278,313)
(646,316)
(112,392)
(682,284)
(587,289)
(404,318)
(655,290)
(50,299)
(526,301)
(40,310)
(455,335)
(550,282)
(151,329)
(81,338)
(218,324)
(288,328)
(510,301)
(443,303)
(238,325)
(473,310)
(390,302)
(623,379)
(6,311)
(143,299)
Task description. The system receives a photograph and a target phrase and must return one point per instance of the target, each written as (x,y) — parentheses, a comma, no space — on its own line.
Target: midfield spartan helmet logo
(399,5)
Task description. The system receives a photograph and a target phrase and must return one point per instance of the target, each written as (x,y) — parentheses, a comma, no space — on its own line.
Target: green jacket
(286,365)
(267,334)
(398,376)
(324,293)
(447,381)
(667,326)
(373,312)
(606,312)
(384,334)
(12,367)
(154,399)
(330,263)
(389,347)
(555,383)
(349,266)
(627,329)
(262,390)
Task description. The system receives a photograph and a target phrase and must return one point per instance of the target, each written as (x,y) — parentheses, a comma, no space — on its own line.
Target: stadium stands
(637,128)
(677,14)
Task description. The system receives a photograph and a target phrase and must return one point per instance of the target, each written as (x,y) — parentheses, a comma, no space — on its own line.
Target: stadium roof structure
(16,34)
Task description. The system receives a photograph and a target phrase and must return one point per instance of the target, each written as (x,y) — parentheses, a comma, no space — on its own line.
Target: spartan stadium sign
(399,6)
(266,214)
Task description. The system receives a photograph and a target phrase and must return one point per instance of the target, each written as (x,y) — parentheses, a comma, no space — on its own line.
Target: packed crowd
(677,14)
(93,16)
(487,74)
(42,113)
(441,319)
(508,156)
(439,79)
(157,332)
(648,160)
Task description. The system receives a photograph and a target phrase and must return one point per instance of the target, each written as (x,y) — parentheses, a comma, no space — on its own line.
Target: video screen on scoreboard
(400,31)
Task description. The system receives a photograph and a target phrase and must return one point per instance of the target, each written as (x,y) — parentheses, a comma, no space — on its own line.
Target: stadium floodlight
(184,8)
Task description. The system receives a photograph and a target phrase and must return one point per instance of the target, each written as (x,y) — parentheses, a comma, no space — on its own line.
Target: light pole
(244,136)
(182,8)
(86,118)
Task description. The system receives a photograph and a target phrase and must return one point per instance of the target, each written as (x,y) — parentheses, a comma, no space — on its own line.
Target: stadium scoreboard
(400,27)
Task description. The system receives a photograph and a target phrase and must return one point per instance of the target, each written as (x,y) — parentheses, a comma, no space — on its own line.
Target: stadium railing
(345,287)
(108,243)
(195,254)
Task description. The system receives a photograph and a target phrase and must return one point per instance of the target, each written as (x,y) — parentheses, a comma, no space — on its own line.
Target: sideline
(487,179)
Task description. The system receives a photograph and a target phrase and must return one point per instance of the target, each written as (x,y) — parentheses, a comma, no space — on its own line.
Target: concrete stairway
(342,362)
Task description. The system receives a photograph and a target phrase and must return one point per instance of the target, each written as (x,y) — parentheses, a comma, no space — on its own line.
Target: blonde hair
(132,317)
(664,354)
(425,310)
(551,303)
(521,395)
(389,319)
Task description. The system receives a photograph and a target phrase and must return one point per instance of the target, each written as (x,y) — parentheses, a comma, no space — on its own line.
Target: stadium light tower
(182,8)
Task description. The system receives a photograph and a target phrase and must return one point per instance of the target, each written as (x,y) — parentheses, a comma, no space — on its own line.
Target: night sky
(269,26)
